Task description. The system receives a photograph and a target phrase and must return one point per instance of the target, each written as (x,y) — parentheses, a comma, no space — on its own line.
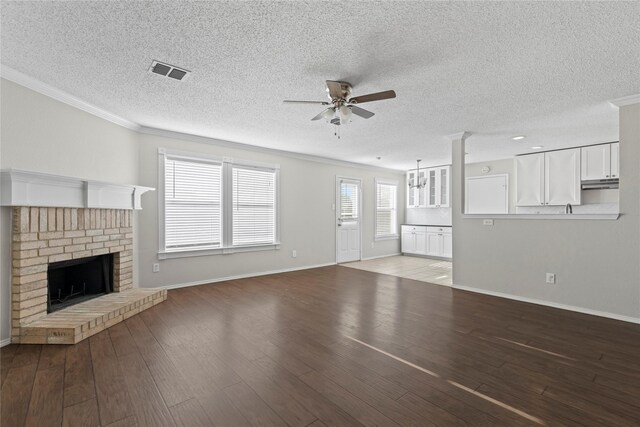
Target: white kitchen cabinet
(438,185)
(439,241)
(551,178)
(414,239)
(615,160)
(417,197)
(530,180)
(595,162)
(600,161)
(562,177)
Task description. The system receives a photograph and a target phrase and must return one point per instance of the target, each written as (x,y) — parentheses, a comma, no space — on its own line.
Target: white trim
(59,95)
(380,256)
(5,342)
(244,276)
(25,188)
(216,251)
(550,304)
(626,100)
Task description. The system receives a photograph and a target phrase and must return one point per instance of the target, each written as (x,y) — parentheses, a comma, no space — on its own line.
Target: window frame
(227,206)
(396,235)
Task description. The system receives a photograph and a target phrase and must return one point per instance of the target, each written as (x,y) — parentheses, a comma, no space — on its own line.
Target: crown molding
(458,136)
(62,96)
(626,100)
(273,151)
(29,82)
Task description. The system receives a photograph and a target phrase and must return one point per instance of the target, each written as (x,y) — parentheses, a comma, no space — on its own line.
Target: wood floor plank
(111,388)
(190,414)
(45,407)
(83,414)
(78,376)
(52,355)
(254,409)
(6,358)
(146,400)
(16,395)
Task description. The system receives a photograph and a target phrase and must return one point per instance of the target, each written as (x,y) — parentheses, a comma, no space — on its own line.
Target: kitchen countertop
(427,225)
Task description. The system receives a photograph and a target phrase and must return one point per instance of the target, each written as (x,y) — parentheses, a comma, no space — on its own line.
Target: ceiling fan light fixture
(328,114)
(345,114)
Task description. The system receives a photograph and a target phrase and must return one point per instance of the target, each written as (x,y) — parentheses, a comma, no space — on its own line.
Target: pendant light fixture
(416,182)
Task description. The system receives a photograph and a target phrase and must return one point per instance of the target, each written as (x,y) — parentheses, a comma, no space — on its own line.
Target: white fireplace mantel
(24,188)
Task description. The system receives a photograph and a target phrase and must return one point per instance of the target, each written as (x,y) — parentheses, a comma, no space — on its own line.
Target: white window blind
(386,215)
(349,203)
(193,208)
(254,206)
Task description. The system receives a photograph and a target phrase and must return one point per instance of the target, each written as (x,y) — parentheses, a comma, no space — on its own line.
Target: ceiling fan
(342,105)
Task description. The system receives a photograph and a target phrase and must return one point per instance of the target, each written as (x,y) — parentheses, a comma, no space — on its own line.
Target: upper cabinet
(599,161)
(434,193)
(551,178)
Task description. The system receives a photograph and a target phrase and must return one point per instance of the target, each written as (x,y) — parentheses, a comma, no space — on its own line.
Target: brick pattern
(45,235)
(78,322)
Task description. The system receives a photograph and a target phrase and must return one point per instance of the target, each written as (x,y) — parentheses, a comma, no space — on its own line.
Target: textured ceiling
(496,69)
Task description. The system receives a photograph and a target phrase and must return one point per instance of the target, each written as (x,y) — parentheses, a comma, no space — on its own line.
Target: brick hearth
(46,235)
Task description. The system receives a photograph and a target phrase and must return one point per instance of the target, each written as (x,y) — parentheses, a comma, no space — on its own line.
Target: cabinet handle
(607,176)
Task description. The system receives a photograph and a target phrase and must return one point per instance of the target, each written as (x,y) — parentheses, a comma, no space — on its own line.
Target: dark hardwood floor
(332,346)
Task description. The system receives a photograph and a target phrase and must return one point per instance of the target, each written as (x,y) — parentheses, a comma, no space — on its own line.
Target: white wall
(307,221)
(41,134)
(597,262)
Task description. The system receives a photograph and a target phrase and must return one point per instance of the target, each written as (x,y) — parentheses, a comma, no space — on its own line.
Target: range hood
(600,184)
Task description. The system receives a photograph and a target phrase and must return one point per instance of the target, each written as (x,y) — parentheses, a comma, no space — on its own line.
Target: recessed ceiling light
(537,147)
(518,138)
(378,158)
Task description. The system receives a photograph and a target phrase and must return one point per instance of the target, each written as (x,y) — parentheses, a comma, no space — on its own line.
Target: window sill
(392,237)
(216,251)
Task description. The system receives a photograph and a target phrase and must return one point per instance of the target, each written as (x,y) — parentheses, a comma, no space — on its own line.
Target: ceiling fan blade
(287,101)
(378,96)
(335,89)
(321,115)
(361,112)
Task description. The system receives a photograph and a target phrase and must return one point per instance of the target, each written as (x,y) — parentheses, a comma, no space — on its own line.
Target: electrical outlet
(487,222)
(294,253)
(551,278)
(155,268)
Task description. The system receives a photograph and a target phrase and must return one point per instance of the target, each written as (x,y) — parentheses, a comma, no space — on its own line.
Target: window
(214,206)
(386,213)
(348,200)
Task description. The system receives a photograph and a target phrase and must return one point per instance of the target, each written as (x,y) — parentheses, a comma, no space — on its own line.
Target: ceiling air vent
(168,70)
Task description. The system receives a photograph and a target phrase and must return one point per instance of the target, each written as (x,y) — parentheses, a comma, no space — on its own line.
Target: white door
(530,180)
(562,177)
(348,208)
(447,245)
(443,174)
(411,192)
(434,244)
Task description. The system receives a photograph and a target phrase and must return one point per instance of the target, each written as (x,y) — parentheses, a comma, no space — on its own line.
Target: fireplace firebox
(75,281)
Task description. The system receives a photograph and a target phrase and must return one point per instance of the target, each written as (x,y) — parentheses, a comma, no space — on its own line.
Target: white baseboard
(551,304)
(379,256)
(244,276)
(5,341)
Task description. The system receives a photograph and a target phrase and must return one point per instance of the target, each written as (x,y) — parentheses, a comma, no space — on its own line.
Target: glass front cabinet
(435,191)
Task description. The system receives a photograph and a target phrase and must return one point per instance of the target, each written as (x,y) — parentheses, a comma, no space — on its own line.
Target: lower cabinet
(414,239)
(439,242)
(427,240)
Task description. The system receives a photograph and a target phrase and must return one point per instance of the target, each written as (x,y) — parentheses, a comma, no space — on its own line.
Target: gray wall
(597,262)
(44,135)
(306,216)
